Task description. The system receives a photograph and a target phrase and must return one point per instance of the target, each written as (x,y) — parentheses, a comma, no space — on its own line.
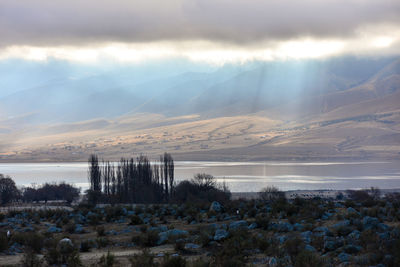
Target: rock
(190,246)
(282,227)
(326,215)
(272,262)
(383,227)
(220,234)
(298,227)
(344,257)
(351,210)
(112,232)
(331,244)
(215,206)
(161,228)
(354,235)
(237,225)
(370,222)
(341,224)
(281,238)
(163,236)
(252,226)
(79,229)
(338,205)
(384,236)
(53,229)
(306,236)
(352,249)
(321,231)
(310,248)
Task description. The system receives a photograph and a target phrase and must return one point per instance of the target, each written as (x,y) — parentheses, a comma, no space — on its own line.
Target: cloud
(240,22)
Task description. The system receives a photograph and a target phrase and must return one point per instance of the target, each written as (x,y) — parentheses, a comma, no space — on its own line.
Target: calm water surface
(240,176)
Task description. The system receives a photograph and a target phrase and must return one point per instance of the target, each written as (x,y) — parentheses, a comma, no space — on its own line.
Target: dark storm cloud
(77,22)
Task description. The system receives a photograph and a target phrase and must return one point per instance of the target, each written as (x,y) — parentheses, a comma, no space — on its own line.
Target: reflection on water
(240,176)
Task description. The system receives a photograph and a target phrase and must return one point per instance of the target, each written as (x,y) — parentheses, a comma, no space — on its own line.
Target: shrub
(101,231)
(234,250)
(293,245)
(271,193)
(30,259)
(203,189)
(135,220)
(145,259)
(307,259)
(107,260)
(179,245)
(86,246)
(34,241)
(148,239)
(200,263)
(70,227)
(52,256)
(102,242)
(262,220)
(175,261)
(3,241)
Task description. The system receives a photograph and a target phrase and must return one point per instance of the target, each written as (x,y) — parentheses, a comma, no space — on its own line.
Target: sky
(209,31)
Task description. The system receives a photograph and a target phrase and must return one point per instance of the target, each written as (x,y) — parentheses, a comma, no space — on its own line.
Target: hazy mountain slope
(318,110)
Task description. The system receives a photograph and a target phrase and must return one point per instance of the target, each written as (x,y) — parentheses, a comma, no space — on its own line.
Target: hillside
(316,110)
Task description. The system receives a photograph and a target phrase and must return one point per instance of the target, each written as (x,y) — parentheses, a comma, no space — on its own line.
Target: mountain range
(333,109)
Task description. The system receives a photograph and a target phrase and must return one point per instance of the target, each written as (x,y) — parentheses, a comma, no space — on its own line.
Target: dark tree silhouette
(46,192)
(94,192)
(131,181)
(8,190)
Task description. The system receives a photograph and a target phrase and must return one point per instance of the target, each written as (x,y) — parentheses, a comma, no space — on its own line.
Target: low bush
(107,260)
(145,259)
(148,239)
(3,241)
(32,240)
(173,261)
(86,246)
(31,259)
(135,220)
(101,231)
(102,242)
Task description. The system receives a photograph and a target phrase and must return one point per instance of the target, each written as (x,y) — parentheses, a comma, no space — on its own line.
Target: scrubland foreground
(359,230)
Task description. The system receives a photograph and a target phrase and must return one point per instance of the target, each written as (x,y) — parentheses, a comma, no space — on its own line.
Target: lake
(240,176)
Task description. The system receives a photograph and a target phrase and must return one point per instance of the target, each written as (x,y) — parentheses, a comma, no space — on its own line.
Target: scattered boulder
(354,235)
(344,257)
(216,207)
(191,246)
(306,236)
(310,248)
(163,236)
(220,234)
(79,229)
(282,227)
(237,225)
(252,226)
(54,229)
(352,249)
(298,227)
(370,222)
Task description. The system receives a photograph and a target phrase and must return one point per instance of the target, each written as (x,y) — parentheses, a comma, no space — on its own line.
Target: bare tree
(271,193)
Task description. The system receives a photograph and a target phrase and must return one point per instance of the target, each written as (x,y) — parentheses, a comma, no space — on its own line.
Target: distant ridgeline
(131,181)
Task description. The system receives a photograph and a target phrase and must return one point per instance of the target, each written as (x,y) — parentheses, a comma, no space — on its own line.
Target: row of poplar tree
(131,180)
